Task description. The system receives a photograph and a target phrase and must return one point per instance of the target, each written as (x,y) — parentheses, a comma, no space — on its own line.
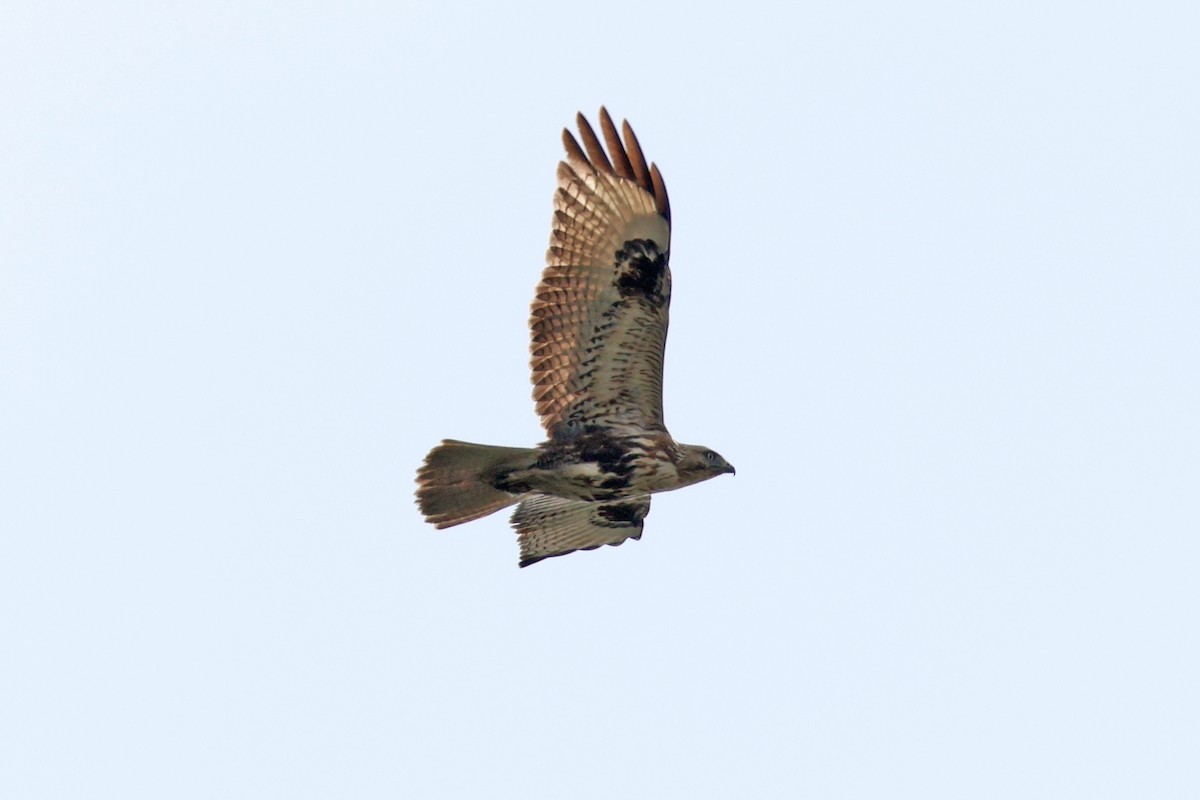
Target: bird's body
(599,329)
(597,465)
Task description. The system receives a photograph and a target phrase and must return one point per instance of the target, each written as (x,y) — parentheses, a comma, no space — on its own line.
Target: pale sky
(936,290)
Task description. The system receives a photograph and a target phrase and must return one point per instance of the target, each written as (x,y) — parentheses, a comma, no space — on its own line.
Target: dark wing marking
(553,526)
(599,317)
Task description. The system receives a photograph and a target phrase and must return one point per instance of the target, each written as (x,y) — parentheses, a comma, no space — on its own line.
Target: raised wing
(599,319)
(554,526)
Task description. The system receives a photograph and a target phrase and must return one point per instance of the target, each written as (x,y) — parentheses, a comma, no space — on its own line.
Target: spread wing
(599,319)
(554,526)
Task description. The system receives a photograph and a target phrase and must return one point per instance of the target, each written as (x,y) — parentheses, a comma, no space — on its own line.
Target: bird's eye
(710,455)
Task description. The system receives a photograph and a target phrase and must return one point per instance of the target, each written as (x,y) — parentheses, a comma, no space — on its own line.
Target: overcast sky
(937,290)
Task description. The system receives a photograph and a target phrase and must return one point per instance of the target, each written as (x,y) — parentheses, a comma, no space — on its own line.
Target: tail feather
(455,485)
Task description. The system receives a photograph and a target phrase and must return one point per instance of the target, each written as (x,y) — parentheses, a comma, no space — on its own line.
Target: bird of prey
(599,327)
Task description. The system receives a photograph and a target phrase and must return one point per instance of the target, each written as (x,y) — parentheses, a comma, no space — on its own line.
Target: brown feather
(660,192)
(594,150)
(621,164)
(572,147)
(636,157)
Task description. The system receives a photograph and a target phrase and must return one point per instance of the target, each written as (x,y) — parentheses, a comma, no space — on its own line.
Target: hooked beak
(729,468)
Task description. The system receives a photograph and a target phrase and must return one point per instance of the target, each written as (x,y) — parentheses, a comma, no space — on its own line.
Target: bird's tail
(457,482)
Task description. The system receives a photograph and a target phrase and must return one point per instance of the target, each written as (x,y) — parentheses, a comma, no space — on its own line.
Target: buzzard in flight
(599,326)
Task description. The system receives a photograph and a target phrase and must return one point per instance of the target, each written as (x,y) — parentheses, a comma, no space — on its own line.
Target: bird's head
(699,463)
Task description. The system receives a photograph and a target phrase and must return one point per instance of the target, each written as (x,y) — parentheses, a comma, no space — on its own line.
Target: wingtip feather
(592,144)
(619,154)
(637,158)
(620,159)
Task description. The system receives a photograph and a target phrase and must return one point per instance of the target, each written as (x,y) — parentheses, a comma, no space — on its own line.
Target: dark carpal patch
(621,514)
(640,269)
